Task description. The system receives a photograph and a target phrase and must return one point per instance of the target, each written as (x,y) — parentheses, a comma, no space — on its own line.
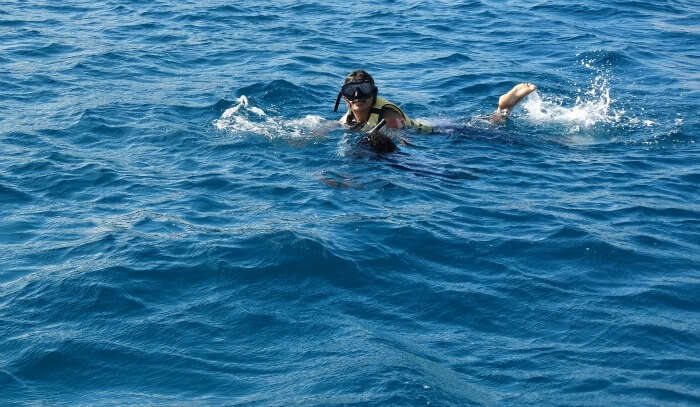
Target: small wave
(675,134)
(244,118)
(604,59)
(52,49)
(11,195)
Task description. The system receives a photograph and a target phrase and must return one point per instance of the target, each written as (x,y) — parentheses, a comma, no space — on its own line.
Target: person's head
(359,76)
(358,88)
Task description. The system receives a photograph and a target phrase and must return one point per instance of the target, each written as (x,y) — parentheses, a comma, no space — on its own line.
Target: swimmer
(366,108)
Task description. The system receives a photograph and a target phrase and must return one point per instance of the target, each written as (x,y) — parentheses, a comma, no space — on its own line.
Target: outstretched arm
(508,101)
(324,127)
(394,120)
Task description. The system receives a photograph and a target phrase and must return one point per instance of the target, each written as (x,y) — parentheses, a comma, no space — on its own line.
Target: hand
(381,143)
(394,120)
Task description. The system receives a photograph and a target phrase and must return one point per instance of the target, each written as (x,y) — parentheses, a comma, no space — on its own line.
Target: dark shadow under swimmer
(366,110)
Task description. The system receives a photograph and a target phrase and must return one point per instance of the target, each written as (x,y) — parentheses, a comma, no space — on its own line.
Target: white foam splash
(243,118)
(590,108)
(593,106)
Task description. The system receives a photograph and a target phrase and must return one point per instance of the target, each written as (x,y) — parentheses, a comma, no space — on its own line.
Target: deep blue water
(163,242)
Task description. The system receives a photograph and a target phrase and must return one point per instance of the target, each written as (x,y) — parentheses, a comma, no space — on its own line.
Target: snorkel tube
(337,101)
(376,128)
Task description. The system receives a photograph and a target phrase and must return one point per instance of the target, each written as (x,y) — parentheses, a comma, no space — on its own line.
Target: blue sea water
(179,227)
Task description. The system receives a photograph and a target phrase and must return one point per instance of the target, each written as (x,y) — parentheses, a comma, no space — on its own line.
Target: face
(357,105)
(358,95)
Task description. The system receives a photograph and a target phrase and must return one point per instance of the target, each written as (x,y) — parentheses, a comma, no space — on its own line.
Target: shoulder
(394,116)
(387,106)
(394,119)
(383,103)
(389,112)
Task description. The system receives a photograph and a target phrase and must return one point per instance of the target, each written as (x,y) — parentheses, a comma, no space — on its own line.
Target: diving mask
(356,91)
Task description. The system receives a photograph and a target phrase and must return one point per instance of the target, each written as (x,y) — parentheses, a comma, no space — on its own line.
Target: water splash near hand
(244,118)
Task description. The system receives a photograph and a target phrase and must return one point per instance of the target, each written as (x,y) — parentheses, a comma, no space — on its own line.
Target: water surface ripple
(178,228)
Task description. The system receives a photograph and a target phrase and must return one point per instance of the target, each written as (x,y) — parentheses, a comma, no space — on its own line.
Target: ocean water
(179,226)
